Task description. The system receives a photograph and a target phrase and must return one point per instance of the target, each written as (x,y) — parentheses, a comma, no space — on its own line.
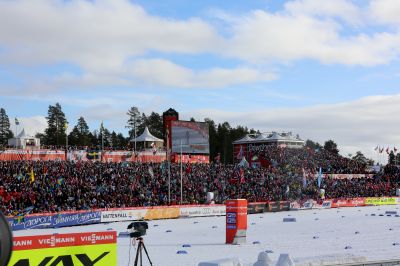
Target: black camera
(5,241)
(137,229)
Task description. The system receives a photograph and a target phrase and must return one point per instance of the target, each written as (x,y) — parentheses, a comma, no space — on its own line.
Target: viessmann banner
(97,248)
(193,136)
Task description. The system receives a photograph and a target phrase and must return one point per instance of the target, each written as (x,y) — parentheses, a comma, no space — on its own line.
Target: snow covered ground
(316,233)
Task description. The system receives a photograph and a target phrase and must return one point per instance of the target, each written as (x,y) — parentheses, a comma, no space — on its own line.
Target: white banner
(203,211)
(122,215)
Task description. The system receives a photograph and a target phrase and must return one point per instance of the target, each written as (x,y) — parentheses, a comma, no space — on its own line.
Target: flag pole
(169,169)
(181,174)
(66,141)
(102,141)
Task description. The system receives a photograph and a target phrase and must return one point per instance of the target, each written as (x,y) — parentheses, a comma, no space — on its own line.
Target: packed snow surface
(316,233)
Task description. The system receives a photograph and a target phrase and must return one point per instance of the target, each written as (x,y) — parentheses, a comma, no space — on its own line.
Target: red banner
(353,202)
(63,240)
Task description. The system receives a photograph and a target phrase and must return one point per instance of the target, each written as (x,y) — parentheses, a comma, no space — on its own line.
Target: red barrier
(81,155)
(32,155)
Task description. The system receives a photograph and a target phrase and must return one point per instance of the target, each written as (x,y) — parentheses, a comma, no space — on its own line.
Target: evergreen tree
(212,131)
(155,124)
(122,141)
(55,133)
(313,145)
(5,132)
(397,159)
(135,119)
(106,138)
(391,158)
(83,130)
(331,146)
(359,157)
(73,137)
(93,138)
(224,142)
(114,139)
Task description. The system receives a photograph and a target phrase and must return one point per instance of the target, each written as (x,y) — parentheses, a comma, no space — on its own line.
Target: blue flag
(319,177)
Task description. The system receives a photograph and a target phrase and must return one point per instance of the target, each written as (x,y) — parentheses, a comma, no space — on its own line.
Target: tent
(24,141)
(147,140)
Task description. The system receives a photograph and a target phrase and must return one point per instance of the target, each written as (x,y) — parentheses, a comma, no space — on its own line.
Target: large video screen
(192,135)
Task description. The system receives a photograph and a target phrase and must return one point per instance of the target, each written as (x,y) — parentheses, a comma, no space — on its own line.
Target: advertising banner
(256,207)
(33,155)
(199,211)
(151,213)
(381,201)
(83,155)
(70,219)
(122,215)
(193,136)
(36,221)
(30,222)
(310,204)
(273,206)
(345,176)
(236,221)
(284,205)
(97,248)
(352,202)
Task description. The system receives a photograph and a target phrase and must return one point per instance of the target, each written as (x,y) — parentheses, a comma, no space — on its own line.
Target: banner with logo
(381,201)
(352,202)
(256,207)
(69,219)
(37,221)
(97,248)
(310,204)
(151,213)
(30,222)
(33,155)
(199,211)
(345,176)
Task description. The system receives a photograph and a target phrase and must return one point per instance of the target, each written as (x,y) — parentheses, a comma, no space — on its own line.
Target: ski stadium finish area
(333,235)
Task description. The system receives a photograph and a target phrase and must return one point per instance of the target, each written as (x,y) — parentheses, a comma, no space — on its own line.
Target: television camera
(137,230)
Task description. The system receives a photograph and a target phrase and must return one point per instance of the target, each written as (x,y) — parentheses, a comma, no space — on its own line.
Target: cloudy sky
(323,69)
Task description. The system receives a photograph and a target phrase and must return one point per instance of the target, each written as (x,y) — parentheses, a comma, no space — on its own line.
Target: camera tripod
(139,252)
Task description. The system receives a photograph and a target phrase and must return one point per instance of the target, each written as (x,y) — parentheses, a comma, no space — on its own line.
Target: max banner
(83,249)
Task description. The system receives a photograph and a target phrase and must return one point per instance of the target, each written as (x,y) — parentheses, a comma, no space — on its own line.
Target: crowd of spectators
(311,159)
(52,186)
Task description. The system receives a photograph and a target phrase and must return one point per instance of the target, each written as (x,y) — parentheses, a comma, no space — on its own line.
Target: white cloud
(151,73)
(158,72)
(103,37)
(31,125)
(97,35)
(357,125)
(385,11)
(342,9)
(261,37)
